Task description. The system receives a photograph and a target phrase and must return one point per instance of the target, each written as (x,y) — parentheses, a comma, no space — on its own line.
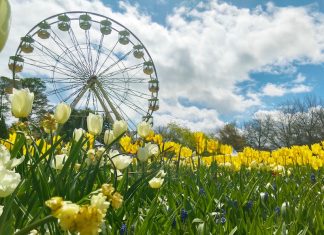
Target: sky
(217,61)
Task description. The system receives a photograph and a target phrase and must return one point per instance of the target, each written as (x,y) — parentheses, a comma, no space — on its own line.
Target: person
(4,22)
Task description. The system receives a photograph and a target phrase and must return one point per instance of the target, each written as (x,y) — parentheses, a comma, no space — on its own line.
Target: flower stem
(35,225)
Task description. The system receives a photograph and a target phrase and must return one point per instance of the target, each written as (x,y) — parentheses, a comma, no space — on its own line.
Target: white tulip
(58,161)
(142,154)
(121,161)
(62,113)
(21,102)
(109,137)
(1,210)
(9,181)
(156,182)
(144,129)
(119,128)
(6,161)
(147,151)
(94,123)
(153,149)
(78,133)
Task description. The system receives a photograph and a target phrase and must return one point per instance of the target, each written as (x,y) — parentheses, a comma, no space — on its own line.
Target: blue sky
(217,61)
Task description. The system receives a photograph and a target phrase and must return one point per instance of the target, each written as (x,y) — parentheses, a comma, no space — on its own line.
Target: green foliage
(3,128)
(179,134)
(230,135)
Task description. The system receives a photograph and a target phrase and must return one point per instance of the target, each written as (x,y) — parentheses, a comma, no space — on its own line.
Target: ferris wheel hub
(92,80)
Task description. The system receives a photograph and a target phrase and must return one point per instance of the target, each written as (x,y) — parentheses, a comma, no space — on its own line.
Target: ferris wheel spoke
(123,113)
(115,63)
(56,57)
(131,91)
(61,89)
(75,60)
(55,67)
(89,52)
(72,95)
(127,102)
(98,53)
(46,66)
(112,80)
(79,51)
(124,70)
(107,57)
(62,80)
(65,80)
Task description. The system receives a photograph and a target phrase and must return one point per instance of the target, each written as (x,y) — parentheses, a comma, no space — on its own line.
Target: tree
(295,122)
(175,132)
(257,132)
(230,134)
(4,134)
(4,102)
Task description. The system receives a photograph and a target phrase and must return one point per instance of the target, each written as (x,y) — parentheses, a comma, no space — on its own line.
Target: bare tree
(257,132)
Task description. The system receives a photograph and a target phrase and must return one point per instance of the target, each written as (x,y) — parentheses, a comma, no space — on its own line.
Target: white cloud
(274,90)
(192,117)
(271,89)
(300,78)
(204,52)
(301,89)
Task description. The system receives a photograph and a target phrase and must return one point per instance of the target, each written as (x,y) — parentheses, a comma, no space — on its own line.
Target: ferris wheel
(91,62)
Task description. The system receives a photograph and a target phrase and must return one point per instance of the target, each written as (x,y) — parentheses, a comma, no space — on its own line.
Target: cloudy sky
(217,61)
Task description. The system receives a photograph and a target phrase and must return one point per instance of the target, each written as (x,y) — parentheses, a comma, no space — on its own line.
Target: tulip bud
(109,137)
(78,133)
(62,113)
(144,129)
(94,123)
(156,182)
(119,127)
(21,102)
